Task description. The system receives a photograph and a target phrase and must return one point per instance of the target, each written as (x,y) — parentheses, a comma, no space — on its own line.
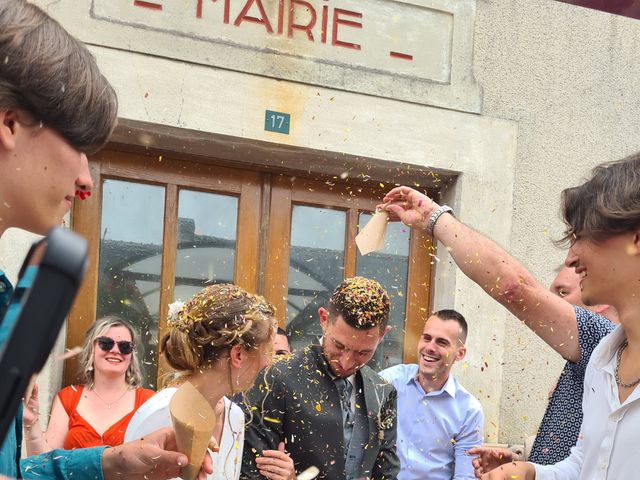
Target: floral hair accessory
(174,314)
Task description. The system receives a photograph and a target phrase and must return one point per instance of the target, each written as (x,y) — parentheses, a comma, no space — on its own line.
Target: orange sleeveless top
(81,434)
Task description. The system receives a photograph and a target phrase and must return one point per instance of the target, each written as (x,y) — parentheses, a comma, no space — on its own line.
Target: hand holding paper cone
(193,421)
(371,237)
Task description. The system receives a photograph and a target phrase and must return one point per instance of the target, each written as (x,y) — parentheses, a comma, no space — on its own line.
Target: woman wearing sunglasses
(97,411)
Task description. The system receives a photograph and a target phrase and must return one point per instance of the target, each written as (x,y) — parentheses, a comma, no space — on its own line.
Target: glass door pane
(130,261)
(316,267)
(206,246)
(390,267)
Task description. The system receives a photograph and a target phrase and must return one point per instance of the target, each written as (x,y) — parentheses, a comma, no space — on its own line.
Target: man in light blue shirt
(438,420)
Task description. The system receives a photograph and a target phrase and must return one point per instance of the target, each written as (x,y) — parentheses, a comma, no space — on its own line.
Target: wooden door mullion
(86,222)
(279,248)
(247,256)
(418,304)
(350,253)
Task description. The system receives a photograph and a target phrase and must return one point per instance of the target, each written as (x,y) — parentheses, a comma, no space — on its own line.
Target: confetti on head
(215,319)
(362,302)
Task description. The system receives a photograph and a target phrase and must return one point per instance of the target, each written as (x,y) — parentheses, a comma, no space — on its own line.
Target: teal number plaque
(277,122)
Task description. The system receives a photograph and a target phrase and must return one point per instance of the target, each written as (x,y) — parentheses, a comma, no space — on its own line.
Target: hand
(509,471)
(31,406)
(276,464)
(490,458)
(153,457)
(409,206)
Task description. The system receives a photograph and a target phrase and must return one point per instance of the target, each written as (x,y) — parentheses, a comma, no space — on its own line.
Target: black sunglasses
(106,344)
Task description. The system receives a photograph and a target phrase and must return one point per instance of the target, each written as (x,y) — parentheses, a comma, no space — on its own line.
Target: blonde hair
(217,318)
(101,326)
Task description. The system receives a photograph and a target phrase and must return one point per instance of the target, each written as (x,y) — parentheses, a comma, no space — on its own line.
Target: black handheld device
(47,284)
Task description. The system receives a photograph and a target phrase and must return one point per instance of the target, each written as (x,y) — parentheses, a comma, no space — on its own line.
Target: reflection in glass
(390,267)
(316,266)
(207,225)
(129,271)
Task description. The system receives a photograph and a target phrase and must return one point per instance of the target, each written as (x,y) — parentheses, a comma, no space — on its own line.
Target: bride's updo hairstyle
(214,320)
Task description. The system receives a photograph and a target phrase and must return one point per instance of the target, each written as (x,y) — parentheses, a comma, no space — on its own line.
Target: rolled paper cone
(193,421)
(371,237)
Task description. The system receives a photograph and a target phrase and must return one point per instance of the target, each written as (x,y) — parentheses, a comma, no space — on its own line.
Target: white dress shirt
(609,440)
(435,429)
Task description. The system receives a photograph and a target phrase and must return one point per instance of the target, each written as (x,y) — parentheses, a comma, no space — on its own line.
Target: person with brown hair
(438,419)
(603,229)
(333,412)
(571,328)
(218,341)
(55,108)
(97,411)
(281,347)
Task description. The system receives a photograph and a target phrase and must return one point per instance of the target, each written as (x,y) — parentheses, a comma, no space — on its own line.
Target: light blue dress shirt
(81,464)
(435,429)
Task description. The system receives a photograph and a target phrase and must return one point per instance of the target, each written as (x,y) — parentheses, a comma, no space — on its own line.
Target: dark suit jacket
(297,402)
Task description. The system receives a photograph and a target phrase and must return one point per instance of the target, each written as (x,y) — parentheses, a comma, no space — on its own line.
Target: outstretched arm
(154,457)
(495,270)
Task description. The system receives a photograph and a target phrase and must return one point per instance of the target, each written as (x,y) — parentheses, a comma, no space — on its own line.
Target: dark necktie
(344,390)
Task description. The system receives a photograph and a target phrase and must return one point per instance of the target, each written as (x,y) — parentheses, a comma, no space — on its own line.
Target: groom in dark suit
(331,410)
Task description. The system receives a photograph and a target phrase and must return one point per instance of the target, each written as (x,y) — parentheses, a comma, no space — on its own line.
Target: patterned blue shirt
(435,429)
(560,425)
(82,464)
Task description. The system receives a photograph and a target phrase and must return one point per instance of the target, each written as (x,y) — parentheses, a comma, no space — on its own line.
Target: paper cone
(371,237)
(193,421)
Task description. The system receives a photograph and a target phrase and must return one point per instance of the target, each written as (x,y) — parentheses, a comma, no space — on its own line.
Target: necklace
(617,375)
(108,404)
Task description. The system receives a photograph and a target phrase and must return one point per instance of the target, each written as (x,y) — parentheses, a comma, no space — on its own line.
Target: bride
(219,341)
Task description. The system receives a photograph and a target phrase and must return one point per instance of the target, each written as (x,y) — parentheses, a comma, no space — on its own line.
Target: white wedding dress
(154,414)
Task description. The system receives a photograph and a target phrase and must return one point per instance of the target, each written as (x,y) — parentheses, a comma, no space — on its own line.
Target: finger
(206,469)
(34,392)
(269,454)
(274,472)
(395,211)
(397,192)
(270,475)
(281,447)
(165,460)
(477,451)
(283,460)
(207,464)
(165,438)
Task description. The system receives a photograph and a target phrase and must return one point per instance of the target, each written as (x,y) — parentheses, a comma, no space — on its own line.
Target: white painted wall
(569,77)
